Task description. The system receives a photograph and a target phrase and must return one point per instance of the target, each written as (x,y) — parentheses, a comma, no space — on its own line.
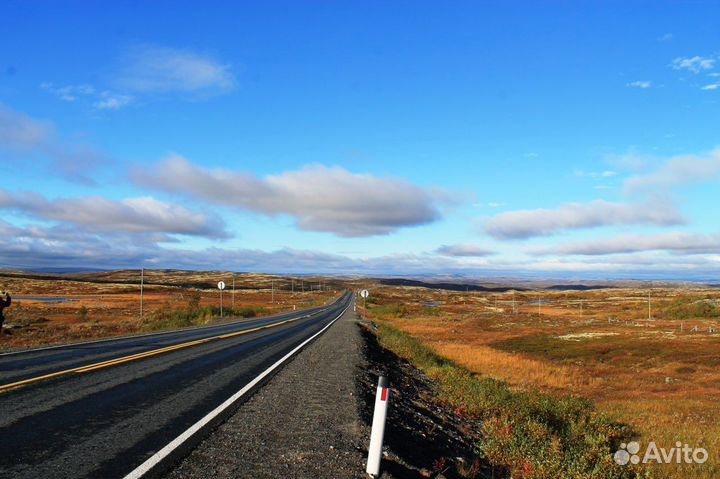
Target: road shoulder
(303,423)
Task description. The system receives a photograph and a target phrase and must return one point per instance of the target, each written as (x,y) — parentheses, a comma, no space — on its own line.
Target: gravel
(304,423)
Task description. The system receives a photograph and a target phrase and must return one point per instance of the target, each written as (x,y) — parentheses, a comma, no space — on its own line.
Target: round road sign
(221,285)
(364,293)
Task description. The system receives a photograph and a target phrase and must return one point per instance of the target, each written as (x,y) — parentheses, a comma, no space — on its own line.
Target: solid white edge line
(147,466)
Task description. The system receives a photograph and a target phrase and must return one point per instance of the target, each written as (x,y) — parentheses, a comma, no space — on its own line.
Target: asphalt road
(115,403)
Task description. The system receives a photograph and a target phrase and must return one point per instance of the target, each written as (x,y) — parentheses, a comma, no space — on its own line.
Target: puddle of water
(45,299)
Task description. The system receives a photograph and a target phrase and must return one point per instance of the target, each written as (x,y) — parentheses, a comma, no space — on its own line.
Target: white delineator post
(382,398)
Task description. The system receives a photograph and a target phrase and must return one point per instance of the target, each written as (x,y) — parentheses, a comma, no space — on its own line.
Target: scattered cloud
(711,87)
(319,198)
(155,69)
(676,242)
(131,215)
(694,64)
(678,171)
(100,100)
(524,224)
(112,101)
(494,204)
(642,84)
(70,93)
(668,37)
(595,174)
(464,250)
(24,136)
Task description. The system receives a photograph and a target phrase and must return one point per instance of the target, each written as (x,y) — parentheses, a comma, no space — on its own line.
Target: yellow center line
(154,352)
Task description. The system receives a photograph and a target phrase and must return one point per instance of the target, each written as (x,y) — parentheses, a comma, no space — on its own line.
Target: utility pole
(581,308)
(142,298)
(292,285)
(233,294)
(514,310)
(539,301)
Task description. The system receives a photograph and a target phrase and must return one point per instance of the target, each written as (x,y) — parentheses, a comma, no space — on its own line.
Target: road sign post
(221,286)
(364,293)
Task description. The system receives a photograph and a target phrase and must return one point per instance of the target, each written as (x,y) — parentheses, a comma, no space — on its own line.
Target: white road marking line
(153,461)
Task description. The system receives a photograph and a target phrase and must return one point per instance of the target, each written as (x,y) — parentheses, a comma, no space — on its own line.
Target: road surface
(101,409)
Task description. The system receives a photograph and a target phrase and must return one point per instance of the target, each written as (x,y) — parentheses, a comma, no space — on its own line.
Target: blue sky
(500,138)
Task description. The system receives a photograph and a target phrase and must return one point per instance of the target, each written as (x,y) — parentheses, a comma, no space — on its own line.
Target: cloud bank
(524,224)
(676,242)
(464,250)
(131,215)
(319,198)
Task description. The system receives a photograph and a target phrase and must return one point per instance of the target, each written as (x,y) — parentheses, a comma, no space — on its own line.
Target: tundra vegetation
(77,307)
(558,390)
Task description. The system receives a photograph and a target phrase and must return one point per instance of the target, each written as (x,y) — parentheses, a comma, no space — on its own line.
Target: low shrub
(531,434)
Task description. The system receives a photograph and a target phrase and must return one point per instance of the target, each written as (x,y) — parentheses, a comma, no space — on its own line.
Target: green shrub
(167,317)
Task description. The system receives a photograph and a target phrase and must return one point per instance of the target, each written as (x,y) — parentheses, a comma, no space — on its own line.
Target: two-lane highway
(101,409)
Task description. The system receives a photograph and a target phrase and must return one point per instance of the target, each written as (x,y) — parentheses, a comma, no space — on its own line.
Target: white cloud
(131,215)
(678,171)
(68,93)
(525,224)
(666,37)
(319,198)
(154,69)
(694,64)
(464,250)
(643,84)
(112,101)
(88,94)
(710,87)
(677,242)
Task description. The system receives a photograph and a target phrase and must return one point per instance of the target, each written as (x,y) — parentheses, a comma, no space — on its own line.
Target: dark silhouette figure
(4,303)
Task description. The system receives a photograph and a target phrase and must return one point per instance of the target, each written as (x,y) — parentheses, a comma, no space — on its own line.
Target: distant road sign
(221,285)
(364,293)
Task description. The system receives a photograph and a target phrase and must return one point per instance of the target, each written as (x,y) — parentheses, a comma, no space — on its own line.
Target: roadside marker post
(382,397)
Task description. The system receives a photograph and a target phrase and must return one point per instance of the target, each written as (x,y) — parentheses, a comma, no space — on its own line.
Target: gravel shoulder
(312,419)
(303,423)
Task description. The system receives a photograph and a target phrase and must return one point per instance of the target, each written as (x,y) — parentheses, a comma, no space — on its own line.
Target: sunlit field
(654,368)
(49,310)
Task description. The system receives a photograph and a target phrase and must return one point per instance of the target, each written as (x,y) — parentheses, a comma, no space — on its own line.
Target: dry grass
(658,376)
(512,368)
(108,304)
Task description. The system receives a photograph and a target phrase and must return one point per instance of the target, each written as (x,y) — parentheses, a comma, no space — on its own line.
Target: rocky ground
(312,419)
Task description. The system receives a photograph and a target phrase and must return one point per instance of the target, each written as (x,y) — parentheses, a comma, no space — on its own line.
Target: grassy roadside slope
(530,435)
